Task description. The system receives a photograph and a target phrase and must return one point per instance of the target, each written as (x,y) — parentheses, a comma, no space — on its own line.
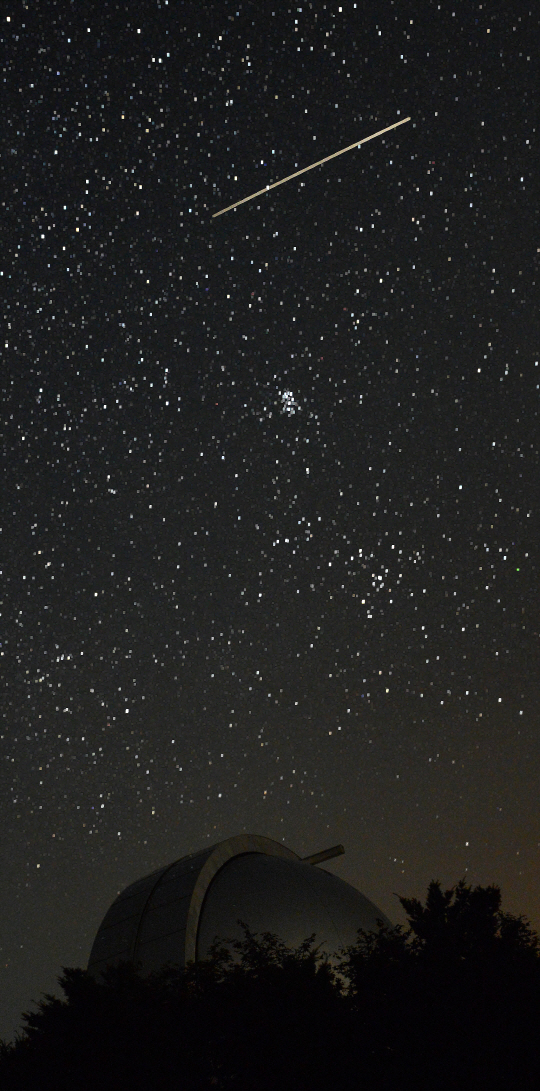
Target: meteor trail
(356,144)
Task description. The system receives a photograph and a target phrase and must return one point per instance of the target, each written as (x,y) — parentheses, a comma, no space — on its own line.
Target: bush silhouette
(452,1000)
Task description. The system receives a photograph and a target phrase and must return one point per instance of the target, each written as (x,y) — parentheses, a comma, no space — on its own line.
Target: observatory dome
(174,914)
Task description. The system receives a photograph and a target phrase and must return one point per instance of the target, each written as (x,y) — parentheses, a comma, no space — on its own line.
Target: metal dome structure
(173,915)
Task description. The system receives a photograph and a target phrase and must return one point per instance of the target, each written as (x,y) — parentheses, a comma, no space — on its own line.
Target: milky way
(270,482)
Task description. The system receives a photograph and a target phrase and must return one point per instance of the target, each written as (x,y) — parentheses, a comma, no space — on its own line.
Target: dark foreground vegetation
(450,1002)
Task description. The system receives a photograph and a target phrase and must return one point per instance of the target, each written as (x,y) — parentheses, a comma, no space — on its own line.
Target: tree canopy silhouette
(452,1000)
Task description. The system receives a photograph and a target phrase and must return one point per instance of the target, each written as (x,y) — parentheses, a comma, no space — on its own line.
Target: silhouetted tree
(450,1001)
(468,923)
(454,999)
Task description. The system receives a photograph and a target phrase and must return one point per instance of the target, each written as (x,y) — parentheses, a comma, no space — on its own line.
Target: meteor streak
(356,144)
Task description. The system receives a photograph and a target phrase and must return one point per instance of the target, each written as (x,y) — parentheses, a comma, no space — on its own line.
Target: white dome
(173,915)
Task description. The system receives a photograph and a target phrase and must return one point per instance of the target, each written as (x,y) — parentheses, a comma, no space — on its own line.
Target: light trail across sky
(319,162)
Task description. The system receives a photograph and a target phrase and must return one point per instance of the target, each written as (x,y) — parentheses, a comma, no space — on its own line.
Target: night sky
(270,482)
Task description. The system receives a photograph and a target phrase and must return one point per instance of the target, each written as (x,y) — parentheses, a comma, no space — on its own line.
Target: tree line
(449,1001)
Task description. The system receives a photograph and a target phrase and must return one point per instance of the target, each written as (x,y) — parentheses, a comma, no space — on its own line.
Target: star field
(270,501)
